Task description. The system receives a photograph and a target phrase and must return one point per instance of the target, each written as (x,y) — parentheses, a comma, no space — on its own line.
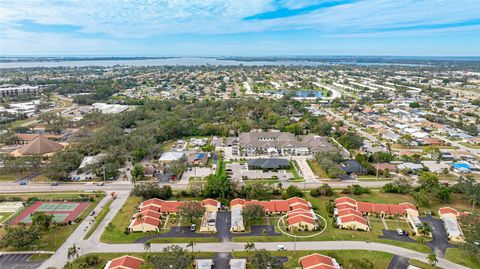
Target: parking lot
(17,261)
(240,170)
(196,172)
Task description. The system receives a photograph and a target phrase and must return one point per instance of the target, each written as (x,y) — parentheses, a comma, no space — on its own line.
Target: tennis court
(57,217)
(49,207)
(63,212)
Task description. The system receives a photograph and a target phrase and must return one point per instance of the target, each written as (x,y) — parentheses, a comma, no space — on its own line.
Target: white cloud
(139,19)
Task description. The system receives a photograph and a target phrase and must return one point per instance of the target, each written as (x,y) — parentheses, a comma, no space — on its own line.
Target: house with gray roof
(268,164)
(281,144)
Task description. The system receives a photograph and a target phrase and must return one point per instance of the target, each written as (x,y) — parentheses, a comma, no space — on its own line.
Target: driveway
(398,262)
(223,231)
(305,169)
(258,231)
(439,243)
(196,172)
(18,261)
(393,235)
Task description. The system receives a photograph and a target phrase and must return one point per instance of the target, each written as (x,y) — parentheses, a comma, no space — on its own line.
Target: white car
(399,231)
(281,248)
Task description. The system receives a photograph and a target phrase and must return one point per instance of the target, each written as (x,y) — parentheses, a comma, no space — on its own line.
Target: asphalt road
(11,187)
(307,246)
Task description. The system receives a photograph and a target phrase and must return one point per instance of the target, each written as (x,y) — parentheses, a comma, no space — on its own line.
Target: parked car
(399,231)
(193,227)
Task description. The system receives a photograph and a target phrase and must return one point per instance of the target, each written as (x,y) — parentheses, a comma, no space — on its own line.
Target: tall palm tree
(249,246)
(73,252)
(139,217)
(425,229)
(147,246)
(432,259)
(191,244)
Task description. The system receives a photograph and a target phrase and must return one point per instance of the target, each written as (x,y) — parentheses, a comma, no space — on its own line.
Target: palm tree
(147,246)
(425,229)
(249,246)
(432,259)
(73,252)
(191,244)
(139,217)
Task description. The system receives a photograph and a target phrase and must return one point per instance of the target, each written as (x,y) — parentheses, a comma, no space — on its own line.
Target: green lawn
(469,145)
(379,259)
(115,231)
(459,256)
(105,257)
(39,257)
(293,170)
(316,169)
(98,218)
(173,240)
(420,264)
(7,176)
(4,216)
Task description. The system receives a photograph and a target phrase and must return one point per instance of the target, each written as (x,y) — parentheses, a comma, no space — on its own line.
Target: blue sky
(240,27)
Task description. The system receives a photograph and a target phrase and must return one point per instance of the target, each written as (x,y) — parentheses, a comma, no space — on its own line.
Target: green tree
(73,252)
(217,186)
(324,190)
(261,259)
(252,213)
(293,191)
(428,180)
(191,211)
(425,229)
(249,246)
(172,257)
(422,198)
(42,220)
(191,244)
(147,246)
(471,231)
(138,171)
(432,259)
(19,236)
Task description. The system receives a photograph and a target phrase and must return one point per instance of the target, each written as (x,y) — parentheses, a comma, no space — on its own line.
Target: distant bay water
(197,61)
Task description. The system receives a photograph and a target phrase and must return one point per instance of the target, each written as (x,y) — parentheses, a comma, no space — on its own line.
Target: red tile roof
(300,218)
(281,205)
(349,211)
(344,206)
(171,206)
(351,218)
(210,201)
(295,200)
(126,262)
(237,201)
(342,200)
(447,210)
(150,213)
(148,220)
(314,260)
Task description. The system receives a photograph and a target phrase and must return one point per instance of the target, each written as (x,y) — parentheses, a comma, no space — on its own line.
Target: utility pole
(104,176)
